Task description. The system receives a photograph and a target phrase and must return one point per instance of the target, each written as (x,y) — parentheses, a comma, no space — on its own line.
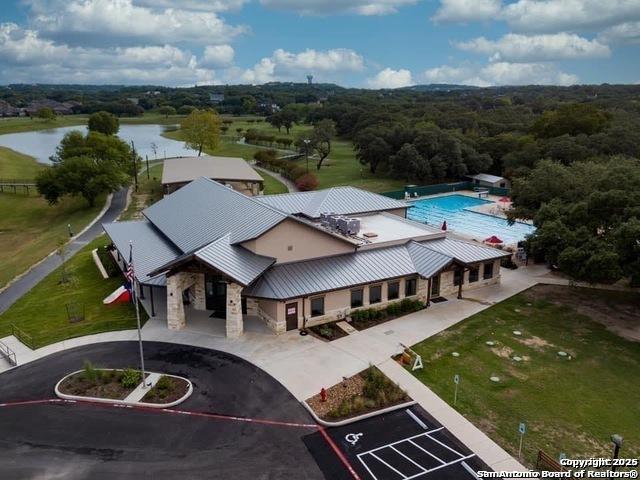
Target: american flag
(129,274)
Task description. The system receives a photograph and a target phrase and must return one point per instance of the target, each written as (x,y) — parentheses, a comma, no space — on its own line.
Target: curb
(98,262)
(365,416)
(107,204)
(80,398)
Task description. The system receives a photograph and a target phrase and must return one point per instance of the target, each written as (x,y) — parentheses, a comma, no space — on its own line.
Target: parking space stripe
(416,464)
(427,452)
(445,446)
(385,463)
(403,440)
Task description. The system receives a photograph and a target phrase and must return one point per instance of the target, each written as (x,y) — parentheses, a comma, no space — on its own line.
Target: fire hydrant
(323,395)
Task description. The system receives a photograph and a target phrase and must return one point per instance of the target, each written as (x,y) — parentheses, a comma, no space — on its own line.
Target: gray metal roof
(235,261)
(487,177)
(204,211)
(292,280)
(150,249)
(186,169)
(467,252)
(339,200)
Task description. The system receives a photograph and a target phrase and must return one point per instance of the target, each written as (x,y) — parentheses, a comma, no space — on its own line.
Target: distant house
(487,180)
(8,110)
(233,172)
(59,108)
(134,100)
(216,97)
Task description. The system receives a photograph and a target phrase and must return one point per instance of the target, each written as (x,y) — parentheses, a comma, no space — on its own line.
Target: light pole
(306,151)
(69,228)
(617,442)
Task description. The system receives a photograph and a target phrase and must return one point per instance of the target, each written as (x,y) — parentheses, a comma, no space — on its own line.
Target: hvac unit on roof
(333,221)
(325,219)
(353,226)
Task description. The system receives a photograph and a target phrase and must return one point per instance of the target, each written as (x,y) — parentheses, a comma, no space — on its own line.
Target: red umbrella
(493,240)
(444,225)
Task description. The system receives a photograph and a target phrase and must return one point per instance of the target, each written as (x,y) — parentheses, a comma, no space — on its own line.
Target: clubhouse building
(290,260)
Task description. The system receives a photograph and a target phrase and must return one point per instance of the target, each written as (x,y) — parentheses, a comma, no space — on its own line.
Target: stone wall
(235,323)
(176,284)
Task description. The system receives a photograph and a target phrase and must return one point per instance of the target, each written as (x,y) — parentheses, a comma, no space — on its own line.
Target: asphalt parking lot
(401,445)
(81,441)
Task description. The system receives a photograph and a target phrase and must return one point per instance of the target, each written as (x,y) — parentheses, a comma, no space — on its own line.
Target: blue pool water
(454,209)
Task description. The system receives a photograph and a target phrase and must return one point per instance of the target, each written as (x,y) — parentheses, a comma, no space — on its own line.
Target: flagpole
(135,301)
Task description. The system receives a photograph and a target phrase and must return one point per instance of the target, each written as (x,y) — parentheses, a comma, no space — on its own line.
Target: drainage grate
(438,300)
(389,332)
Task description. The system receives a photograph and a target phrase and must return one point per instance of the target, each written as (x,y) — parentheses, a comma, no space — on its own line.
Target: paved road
(291,186)
(27,282)
(82,441)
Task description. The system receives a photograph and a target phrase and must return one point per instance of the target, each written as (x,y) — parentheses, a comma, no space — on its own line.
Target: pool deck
(495,209)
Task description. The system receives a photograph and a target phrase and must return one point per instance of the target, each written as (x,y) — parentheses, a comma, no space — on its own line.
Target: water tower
(309,79)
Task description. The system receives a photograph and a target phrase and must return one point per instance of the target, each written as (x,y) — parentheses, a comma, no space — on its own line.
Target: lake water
(42,144)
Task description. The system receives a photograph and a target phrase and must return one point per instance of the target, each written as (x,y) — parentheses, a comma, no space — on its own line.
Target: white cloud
(99,22)
(218,56)
(203,5)
(628,32)
(283,65)
(464,11)
(535,48)
(500,73)
(328,7)
(26,57)
(572,15)
(389,78)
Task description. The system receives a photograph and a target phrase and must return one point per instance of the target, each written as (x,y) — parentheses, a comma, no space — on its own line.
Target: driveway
(78,441)
(21,286)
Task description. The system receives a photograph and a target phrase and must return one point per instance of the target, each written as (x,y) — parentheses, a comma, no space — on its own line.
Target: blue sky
(362,43)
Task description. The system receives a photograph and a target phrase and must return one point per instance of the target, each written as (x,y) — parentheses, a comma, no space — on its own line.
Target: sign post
(522,428)
(456,380)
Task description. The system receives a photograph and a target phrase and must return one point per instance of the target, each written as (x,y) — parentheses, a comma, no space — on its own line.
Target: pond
(42,144)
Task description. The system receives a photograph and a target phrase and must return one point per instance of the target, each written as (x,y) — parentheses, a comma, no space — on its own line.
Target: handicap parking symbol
(353,438)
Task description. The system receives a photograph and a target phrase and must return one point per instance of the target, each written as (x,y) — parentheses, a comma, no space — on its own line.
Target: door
(435,286)
(215,289)
(291,310)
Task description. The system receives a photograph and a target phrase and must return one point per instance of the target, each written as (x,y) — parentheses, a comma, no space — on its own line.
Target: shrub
(108,262)
(166,384)
(307,182)
(130,378)
(91,373)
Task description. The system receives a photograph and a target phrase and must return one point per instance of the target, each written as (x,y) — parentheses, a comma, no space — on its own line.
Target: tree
(321,137)
(408,163)
(276,120)
(104,122)
(186,109)
(167,110)
(201,130)
(373,150)
(46,114)
(87,166)
(572,119)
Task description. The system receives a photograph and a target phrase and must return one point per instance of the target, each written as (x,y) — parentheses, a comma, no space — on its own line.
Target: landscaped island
(124,386)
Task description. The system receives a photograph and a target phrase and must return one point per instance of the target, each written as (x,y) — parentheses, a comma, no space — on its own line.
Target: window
(474,274)
(356,298)
(317,306)
(375,294)
(457,277)
(393,290)
(488,271)
(410,285)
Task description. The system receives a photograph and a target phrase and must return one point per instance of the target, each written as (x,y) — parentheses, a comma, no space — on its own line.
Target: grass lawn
(272,185)
(26,124)
(42,313)
(31,228)
(18,165)
(570,406)
(341,168)
(149,192)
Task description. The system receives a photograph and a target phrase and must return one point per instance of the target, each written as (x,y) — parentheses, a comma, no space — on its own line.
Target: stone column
(422,289)
(235,322)
(175,309)
(199,299)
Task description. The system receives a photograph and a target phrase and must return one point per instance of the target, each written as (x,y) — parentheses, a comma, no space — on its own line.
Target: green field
(149,192)
(41,315)
(341,168)
(18,165)
(570,405)
(273,186)
(31,228)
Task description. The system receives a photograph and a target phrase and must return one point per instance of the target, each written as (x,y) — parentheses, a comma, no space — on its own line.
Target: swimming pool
(454,209)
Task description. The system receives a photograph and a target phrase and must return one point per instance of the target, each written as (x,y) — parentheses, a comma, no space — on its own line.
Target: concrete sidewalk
(305,364)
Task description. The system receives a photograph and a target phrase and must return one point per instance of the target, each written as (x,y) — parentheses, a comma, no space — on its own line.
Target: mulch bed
(177,390)
(328,331)
(108,386)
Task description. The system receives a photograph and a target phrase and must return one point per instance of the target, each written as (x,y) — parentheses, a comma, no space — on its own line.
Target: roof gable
(204,210)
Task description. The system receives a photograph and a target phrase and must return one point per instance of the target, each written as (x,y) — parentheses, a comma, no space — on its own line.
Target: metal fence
(425,190)
(9,354)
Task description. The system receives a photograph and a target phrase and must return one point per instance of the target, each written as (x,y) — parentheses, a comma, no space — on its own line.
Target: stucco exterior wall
(292,241)
(248,188)
(337,304)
